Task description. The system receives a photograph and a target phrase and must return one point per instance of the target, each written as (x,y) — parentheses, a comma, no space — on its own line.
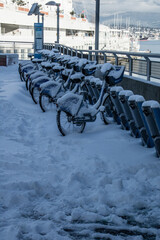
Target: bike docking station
(114,91)
(151,110)
(135,103)
(79,94)
(123,97)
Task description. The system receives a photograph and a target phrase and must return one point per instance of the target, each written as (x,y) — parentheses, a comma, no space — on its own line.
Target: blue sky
(117,6)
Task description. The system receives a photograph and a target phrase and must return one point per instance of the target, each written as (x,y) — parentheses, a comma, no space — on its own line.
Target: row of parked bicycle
(81,89)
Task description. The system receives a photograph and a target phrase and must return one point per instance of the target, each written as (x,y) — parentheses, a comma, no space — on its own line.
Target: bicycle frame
(90,111)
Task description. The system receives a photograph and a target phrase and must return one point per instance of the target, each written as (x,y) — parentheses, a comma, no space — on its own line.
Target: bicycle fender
(106,95)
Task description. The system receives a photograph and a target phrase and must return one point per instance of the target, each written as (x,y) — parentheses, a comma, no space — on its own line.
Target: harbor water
(151,45)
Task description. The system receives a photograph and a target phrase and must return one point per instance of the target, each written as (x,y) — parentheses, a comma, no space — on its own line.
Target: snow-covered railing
(140,63)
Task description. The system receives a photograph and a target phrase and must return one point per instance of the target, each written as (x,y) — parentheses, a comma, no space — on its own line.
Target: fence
(21,48)
(144,64)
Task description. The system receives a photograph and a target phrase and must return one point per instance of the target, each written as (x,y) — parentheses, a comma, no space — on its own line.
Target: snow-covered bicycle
(73,112)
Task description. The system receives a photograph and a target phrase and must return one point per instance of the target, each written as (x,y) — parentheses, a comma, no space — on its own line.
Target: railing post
(71,52)
(96,57)
(148,68)
(89,55)
(130,65)
(116,58)
(81,54)
(105,58)
(14,47)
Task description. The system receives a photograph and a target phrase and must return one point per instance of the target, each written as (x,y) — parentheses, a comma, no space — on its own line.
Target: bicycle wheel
(66,125)
(35,94)
(46,102)
(30,88)
(22,76)
(27,83)
(106,116)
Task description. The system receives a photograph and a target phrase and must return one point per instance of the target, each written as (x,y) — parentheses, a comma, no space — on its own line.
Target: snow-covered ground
(101,184)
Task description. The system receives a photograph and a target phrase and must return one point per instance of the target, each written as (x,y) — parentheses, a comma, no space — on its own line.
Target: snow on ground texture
(101,184)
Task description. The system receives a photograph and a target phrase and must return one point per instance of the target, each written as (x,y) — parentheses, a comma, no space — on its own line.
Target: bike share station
(141,117)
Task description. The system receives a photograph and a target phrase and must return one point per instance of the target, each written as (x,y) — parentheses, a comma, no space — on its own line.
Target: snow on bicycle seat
(77,77)
(37,74)
(58,68)
(53,64)
(40,79)
(46,64)
(44,51)
(55,50)
(95,80)
(29,65)
(52,87)
(37,60)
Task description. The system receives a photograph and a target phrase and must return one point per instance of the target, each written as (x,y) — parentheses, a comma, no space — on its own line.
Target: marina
(75,30)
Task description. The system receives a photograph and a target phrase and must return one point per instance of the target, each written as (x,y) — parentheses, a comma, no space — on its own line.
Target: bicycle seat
(65,74)
(46,65)
(37,60)
(58,68)
(77,77)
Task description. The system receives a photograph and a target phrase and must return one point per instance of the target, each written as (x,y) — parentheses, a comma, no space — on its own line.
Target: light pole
(97,25)
(52,3)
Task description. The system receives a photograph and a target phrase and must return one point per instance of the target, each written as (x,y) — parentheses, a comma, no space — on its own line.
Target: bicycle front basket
(70,103)
(115,76)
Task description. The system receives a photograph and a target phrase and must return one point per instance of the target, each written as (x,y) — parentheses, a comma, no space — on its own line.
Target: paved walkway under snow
(101,184)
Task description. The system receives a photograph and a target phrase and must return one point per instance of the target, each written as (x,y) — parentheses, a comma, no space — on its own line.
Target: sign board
(38,36)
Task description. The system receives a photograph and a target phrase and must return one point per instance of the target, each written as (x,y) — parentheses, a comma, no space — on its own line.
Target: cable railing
(138,63)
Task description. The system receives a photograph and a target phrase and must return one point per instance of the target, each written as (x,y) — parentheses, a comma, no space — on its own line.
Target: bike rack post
(115,91)
(123,97)
(151,110)
(135,103)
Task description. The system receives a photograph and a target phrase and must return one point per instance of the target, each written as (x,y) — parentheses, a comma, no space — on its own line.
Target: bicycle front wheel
(35,94)
(66,125)
(106,116)
(46,103)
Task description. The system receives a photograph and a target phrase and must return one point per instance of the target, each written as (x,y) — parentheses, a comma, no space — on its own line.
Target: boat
(143,38)
(75,30)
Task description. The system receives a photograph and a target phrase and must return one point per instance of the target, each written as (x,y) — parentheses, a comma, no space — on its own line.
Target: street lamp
(97,25)
(52,3)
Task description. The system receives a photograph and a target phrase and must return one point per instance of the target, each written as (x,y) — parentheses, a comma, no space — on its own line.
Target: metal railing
(144,64)
(21,48)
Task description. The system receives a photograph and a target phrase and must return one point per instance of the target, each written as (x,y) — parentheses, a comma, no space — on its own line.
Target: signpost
(38,29)
(38,36)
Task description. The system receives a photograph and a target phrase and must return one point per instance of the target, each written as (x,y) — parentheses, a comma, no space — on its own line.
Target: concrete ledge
(149,90)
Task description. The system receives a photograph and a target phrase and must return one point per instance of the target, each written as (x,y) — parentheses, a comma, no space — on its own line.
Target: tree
(72,13)
(19,2)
